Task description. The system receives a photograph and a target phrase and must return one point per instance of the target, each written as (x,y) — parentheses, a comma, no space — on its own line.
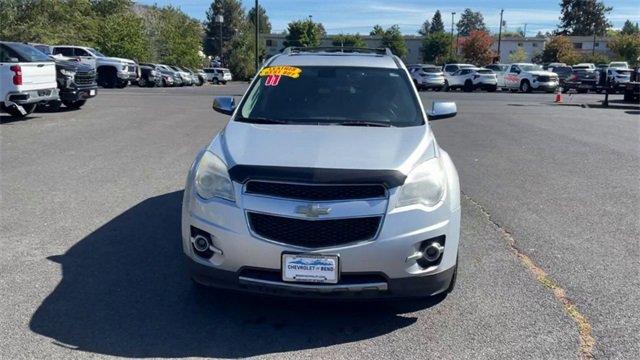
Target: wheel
(468,86)
(492,88)
(122,84)
(142,82)
(525,87)
(13,111)
(107,77)
(224,83)
(446,86)
(215,81)
(74,104)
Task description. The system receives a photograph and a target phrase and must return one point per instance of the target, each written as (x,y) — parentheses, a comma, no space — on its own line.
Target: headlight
(212,178)
(424,185)
(153,73)
(67,73)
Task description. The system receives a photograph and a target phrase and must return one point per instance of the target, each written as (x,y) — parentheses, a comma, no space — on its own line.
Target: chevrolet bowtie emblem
(312,210)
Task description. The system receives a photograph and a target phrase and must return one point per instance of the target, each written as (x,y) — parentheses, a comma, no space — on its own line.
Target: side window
(81,52)
(64,51)
(514,69)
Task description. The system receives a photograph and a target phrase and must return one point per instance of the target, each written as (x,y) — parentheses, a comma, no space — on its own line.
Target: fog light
(201,243)
(433,251)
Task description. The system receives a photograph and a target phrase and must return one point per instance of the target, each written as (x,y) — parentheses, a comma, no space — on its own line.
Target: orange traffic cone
(558,95)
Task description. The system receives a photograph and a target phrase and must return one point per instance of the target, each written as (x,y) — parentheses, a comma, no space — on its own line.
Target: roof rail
(337,49)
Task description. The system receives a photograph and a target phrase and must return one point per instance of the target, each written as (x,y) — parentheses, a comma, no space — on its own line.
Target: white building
(532,46)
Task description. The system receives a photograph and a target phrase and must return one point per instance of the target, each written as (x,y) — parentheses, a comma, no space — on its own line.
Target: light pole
(500,36)
(220,20)
(452,15)
(257,25)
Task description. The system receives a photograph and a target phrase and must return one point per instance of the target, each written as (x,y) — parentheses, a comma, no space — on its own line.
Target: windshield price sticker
(288,71)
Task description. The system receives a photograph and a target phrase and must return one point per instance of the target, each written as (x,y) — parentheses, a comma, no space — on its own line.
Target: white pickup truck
(27,77)
(530,77)
(112,71)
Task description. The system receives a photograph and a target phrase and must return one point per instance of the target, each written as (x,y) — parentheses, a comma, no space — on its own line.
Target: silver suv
(327,181)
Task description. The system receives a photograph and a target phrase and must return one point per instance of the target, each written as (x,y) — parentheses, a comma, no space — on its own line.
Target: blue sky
(351,16)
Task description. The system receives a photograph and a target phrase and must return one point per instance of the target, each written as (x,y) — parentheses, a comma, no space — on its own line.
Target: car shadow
(7,119)
(125,292)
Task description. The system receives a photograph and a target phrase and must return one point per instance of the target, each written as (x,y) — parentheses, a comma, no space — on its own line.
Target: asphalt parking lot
(92,267)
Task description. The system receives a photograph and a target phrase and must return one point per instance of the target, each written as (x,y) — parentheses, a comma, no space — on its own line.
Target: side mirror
(224,104)
(442,110)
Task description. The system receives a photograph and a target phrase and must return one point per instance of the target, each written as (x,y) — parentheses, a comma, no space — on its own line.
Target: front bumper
(127,75)
(384,260)
(545,86)
(31,96)
(78,93)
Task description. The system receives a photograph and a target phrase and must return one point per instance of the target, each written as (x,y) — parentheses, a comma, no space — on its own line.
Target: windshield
(530,67)
(43,48)
(28,53)
(96,52)
(333,95)
(483,71)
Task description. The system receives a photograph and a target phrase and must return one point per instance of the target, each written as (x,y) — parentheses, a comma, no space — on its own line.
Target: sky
(359,16)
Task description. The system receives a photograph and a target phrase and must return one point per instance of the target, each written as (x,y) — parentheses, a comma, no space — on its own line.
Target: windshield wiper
(260,120)
(361,123)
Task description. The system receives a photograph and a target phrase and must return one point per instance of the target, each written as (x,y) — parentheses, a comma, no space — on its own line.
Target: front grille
(314,233)
(315,192)
(545,78)
(85,78)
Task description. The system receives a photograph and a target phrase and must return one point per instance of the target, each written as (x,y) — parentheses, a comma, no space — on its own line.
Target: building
(532,45)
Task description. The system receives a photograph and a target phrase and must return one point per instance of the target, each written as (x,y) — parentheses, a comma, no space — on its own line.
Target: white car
(527,77)
(618,77)
(187,78)
(327,181)
(112,71)
(470,79)
(218,75)
(27,77)
(500,70)
(451,68)
(427,76)
(619,65)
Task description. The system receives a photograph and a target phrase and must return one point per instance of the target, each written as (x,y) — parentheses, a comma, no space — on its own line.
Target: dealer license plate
(92,92)
(310,268)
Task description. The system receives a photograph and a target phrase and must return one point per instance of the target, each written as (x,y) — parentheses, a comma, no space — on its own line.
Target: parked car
(27,77)
(527,77)
(184,75)
(195,80)
(632,88)
(618,77)
(451,68)
(48,49)
(563,72)
(584,66)
(202,76)
(175,76)
(500,70)
(76,84)
(427,76)
(619,65)
(582,80)
(553,65)
(470,79)
(112,71)
(383,221)
(150,75)
(218,75)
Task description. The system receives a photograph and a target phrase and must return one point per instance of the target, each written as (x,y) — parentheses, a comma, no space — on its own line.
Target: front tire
(74,104)
(525,86)
(142,82)
(468,86)
(122,84)
(446,86)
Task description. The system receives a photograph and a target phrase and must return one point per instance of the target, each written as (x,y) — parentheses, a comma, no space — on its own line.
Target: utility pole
(500,36)
(452,15)
(525,30)
(220,19)
(593,47)
(257,26)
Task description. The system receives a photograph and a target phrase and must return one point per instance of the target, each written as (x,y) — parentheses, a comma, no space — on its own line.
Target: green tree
(436,47)
(394,40)
(124,35)
(241,57)
(626,47)
(303,33)
(470,21)
(559,49)
(424,29)
(630,28)
(377,31)
(518,55)
(234,19)
(265,24)
(348,40)
(437,26)
(180,38)
(583,17)
(476,48)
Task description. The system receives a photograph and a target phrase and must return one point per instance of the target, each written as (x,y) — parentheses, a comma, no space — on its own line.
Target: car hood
(326,146)
(116,59)
(542,73)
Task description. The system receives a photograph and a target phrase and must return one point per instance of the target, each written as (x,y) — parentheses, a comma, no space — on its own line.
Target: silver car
(327,181)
